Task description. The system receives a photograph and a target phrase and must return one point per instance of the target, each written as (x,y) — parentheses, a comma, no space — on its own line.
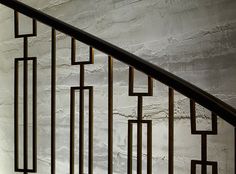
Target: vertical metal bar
(90,131)
(150,86)
(140,108)
(34,27)
(16,91)
(16,23)
(73,50)
(131,80)
(193,168)
(139,134)
(149,147)
(34,115)
(192,116)
(81,128)
(235,150)
(16,114)
(171,132)
(25,48)
(214,123)
(204,153)
(130,147)
(72,128)
(91,55)
(25,105)
(215,168)
(110,115)
(53,101)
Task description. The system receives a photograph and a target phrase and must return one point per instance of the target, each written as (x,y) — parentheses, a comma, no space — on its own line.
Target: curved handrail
(205,99)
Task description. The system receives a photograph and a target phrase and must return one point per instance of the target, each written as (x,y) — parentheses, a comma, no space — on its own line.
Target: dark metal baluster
(34,105)
(81,88)
(90,130)
(149,147)
(192,116)
(171,133)
(72,114)
(131,81)
(16,24)
(25,105)
(72,129)
(81,125)
(53,101)
(16,115)
(139,134)
(204,153)
(34,27)
(150,86)
(25,60)
(140,122)
(110,115)
(73,51)
(203,162)
(130,147)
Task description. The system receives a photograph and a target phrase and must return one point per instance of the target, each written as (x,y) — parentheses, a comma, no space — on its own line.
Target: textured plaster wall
(194,39)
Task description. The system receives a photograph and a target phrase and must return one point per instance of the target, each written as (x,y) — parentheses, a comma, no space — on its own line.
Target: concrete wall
(194,39)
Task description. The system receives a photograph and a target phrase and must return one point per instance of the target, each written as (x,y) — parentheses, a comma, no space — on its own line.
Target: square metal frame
(73,54)
(131,85)
(16,27)
(193,121)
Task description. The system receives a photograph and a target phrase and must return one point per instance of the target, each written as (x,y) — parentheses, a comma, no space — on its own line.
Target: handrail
(205,99)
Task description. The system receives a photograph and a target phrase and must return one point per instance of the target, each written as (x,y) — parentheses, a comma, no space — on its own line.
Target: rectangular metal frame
(203,134)
(149,145)
(34,114)
(194,163)
(73,54)
(16,27)
(193,121)
(131,85)
(81,134)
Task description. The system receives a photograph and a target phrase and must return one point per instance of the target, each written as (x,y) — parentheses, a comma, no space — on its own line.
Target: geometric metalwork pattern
(166,78)
(131,85)
(203,162)
(16,114)
(193,121)
(25,61)
(16,28)
(149,144)
(73,54)
(204,165)
(139,123)
(81,90)
(81,136)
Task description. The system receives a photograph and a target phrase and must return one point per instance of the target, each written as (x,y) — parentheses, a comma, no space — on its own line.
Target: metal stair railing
(173,82)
